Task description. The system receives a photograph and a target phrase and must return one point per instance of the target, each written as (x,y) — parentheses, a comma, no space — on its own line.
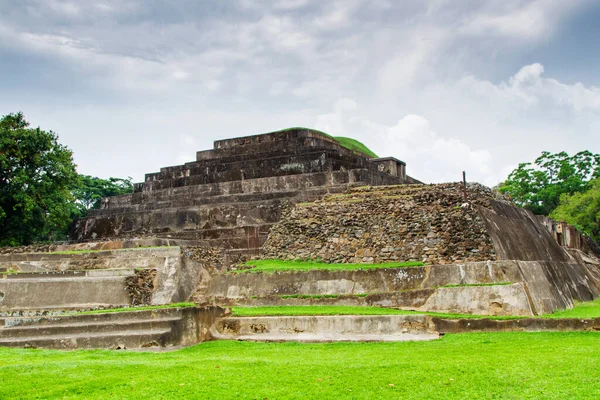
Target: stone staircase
(117,330)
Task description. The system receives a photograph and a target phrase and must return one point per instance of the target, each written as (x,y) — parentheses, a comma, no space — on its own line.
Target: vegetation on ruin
(351,310)
(310,296)
(355,145)
(297,265)
(475,284)
(137,308)
(86,251)
(581,310)
(349,143)
(511,365)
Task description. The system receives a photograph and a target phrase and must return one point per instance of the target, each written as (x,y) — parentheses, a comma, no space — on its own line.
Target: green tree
(581,210)
(37,175)
(92,189)
(539,186)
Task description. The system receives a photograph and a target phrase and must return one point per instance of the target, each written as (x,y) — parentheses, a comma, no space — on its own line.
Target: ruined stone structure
(294,194)
(231,195)
(484,256)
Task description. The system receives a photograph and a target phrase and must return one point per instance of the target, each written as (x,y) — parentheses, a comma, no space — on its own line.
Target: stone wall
(428,223)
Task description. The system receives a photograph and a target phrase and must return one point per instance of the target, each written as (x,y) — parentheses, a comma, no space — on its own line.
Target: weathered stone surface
(92,279)
(326,328)
(67,292)
(390,223)
(361,281)
(482,300)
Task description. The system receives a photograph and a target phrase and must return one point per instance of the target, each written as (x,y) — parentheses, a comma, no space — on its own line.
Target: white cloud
(528,88)
(423,81)
(430,157)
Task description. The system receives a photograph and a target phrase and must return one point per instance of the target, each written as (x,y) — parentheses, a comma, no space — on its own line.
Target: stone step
(109,340)
(239,242)
(67,329)
(241,201)
(410,299)
(63,292)
(121,254)
(69,274)
(108,317)
(326,328)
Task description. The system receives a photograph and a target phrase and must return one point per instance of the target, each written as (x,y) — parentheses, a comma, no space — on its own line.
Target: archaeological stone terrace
(231,195)
(191,233)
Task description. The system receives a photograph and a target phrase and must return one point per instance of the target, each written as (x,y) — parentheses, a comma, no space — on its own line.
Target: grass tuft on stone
(355,146)
(350,310)
(475,285)
(349,143)
(86,251)
(270,266)
(137,308)
(582,310)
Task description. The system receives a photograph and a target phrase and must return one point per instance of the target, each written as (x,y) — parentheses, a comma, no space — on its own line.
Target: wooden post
(464,186)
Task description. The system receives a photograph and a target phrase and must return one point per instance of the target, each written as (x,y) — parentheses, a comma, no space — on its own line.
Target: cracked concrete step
(326,328)
(116,339)
(65,329)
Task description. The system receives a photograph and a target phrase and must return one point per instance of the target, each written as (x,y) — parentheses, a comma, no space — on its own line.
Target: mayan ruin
(299,199)
(192,232)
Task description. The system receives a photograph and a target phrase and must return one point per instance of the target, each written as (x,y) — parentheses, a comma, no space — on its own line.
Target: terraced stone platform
(231,195)
(487,288)
(118,330)
(78,277)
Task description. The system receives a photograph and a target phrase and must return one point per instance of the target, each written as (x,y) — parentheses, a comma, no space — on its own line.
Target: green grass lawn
(281,265)
(515,365)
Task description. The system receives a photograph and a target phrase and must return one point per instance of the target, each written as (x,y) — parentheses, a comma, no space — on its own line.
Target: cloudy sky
(132,86)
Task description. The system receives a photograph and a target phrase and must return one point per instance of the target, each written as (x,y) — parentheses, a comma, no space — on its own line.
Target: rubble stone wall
(429,223)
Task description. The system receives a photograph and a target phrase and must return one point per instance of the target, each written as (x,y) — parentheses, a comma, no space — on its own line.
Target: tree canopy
(37,175)
(92,189)
(581,210)
(538,186)
(41,193)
